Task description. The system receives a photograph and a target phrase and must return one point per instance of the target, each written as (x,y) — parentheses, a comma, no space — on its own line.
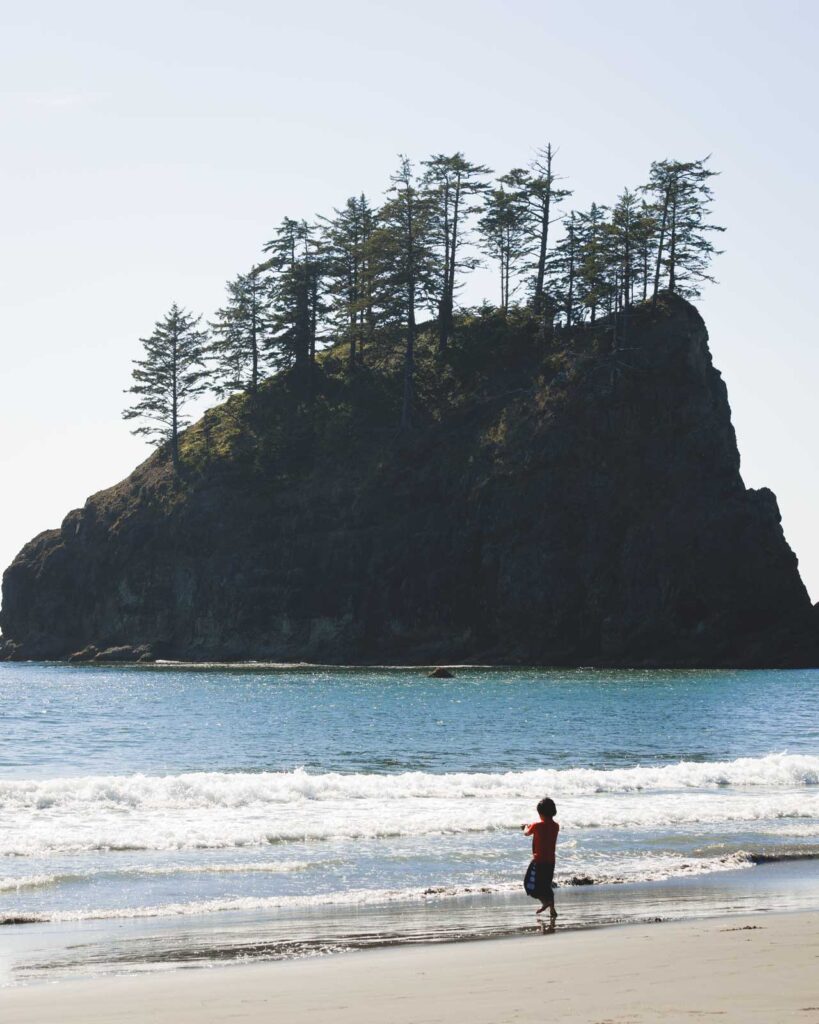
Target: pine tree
(690,247)
(623,233)
(543,196)
(347,241)
(645,240)
(410,266)
(172,372)
(594,269)
(682,198)
(503,232)
(565,263)
(452,185)
(295,264)
(241,335)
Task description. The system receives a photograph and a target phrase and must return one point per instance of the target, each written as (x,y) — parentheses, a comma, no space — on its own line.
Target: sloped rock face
(590,512)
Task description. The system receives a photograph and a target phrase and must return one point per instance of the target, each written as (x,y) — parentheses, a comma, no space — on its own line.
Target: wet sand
(735,969)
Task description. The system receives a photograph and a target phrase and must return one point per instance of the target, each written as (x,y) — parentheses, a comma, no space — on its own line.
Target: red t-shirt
(544,838)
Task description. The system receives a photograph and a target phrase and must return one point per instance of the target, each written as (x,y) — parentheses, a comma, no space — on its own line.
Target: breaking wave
(236,790)
(222,810)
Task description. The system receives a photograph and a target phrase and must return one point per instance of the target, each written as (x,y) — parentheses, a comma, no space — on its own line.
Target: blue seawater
(170,793)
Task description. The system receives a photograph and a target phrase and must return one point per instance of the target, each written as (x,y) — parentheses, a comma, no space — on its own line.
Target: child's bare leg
(552,911)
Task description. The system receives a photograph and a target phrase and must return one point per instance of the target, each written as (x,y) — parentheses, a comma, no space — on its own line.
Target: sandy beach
(763,968)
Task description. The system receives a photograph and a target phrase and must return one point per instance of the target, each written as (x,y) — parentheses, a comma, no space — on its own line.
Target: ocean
(152,816)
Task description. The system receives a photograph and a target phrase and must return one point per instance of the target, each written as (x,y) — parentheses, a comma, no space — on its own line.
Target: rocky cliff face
(571,502)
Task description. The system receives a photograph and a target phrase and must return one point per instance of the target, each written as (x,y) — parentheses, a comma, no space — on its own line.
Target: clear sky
(147,150)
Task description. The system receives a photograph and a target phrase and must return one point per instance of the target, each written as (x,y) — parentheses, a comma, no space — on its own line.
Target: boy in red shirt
(538,880)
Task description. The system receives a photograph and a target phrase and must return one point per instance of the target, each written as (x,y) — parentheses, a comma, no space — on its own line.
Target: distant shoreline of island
(428,668)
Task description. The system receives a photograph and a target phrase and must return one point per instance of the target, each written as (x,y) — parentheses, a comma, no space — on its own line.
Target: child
(538,880)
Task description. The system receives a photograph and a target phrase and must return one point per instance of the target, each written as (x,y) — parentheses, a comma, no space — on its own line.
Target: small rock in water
(441,673)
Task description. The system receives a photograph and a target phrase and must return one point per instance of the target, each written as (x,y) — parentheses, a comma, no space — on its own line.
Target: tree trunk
(313,304)
(368,325)
(409,355)
(354,313)
(409,362)
(175,411)
(570,297)
(672,248)
(627,269)
(443,315)
(448,324)
(353,340)
(660,245)
(254,341)
(302,333)
(537,303)
(541,262)
(645,272)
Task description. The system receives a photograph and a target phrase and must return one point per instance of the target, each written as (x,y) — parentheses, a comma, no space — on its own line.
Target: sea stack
(566,499)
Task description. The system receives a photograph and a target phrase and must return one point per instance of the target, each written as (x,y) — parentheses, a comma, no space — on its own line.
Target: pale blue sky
(147,150)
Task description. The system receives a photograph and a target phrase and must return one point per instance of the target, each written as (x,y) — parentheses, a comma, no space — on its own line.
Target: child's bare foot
(540,911)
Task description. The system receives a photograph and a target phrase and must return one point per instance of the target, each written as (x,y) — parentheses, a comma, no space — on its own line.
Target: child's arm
(528,829)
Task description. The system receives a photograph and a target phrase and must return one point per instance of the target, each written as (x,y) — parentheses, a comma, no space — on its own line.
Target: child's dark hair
(547,807)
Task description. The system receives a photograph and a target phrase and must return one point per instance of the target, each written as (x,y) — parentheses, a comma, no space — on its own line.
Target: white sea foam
(221,789)
(638,868)
(577,867)
(27,882)
(218,832)
(222,811)
(351,897)
(649,868)
(273,867)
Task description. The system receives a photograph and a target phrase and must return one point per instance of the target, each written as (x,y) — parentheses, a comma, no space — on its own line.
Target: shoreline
(63,952)
(253,665)
(741,968)
(426,668)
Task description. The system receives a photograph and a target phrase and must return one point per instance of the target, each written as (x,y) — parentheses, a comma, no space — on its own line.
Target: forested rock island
(553,480)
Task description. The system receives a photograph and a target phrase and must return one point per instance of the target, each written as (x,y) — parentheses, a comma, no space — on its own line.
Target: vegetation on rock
(359,280)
